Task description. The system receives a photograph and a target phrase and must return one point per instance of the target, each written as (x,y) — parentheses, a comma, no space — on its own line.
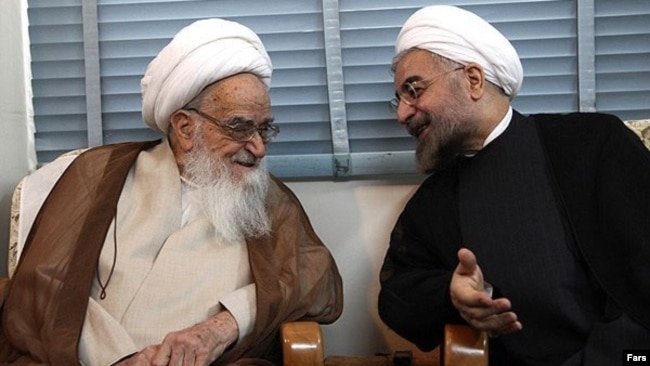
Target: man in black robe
(535,229)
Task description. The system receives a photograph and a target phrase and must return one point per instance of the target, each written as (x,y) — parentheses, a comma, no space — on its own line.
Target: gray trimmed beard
(443,143)
(450,129)
(236,206)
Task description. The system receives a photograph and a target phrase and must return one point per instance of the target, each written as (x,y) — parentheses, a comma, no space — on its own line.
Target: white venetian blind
(623,57)
(331,79)
(56,37)
(543,32)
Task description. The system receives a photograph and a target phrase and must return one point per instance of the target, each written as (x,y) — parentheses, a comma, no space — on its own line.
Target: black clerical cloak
(600,175)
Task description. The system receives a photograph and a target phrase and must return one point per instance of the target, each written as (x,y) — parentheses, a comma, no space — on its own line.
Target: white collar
(500,127)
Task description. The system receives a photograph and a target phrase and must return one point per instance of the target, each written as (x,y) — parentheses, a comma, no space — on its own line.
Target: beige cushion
(642,128)
(13,229)
(15,241)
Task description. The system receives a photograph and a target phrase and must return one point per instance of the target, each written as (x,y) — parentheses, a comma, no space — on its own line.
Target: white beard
(235,207)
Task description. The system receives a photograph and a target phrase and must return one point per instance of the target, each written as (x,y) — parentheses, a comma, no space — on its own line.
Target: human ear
(476,77)
(182,129)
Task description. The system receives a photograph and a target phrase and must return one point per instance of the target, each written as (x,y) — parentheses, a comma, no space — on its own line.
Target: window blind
(332,80)
(622,59)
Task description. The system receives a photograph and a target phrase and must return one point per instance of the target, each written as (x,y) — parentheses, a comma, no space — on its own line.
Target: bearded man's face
(234,201)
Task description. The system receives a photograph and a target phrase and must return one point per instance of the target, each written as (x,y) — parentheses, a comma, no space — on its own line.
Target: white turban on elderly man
(200,54)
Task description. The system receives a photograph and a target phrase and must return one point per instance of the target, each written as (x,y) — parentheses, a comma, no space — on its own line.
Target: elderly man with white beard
(182,251)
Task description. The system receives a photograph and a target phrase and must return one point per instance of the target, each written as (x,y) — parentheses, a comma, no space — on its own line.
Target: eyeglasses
(241,130)
(411,91)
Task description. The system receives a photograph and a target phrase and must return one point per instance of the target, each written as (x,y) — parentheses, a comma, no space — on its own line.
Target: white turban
(200,54)
(463,37)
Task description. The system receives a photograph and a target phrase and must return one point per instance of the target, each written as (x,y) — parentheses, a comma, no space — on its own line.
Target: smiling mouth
(245,158)
(416,129)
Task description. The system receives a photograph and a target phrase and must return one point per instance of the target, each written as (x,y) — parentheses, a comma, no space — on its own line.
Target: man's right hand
(474,304)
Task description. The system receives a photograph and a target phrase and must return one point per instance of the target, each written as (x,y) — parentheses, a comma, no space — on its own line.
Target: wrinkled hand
(142,358)
(198,345)
(468,296)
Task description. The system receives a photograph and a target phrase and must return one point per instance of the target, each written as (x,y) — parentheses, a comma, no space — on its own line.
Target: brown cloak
(45,301)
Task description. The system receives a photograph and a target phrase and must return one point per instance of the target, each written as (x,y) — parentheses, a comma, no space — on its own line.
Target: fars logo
(636,357)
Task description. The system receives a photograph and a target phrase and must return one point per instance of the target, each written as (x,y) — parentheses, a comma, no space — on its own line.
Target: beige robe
(167,276)
(295,276)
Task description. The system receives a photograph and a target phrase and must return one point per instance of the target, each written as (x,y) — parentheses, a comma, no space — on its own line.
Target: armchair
(302,345)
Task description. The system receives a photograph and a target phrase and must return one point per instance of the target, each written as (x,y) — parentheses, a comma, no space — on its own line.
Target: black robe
(600,174)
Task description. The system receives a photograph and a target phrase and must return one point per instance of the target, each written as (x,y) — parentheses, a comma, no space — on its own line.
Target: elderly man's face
(239,100)
(436,118)
(227,177)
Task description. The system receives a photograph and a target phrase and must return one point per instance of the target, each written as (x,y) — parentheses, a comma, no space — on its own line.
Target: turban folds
(464,37)
(200,54)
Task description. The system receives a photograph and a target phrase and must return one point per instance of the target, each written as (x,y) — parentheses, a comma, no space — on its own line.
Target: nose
(256,146)
(404,112)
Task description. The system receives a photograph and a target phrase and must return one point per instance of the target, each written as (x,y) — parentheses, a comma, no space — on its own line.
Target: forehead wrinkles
(243,97)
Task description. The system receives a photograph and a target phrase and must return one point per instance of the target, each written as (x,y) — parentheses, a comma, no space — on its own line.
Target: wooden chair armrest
(302,344)
(464,346)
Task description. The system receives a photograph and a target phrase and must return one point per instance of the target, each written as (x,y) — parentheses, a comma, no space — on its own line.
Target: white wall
(13,112)
(353,218)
